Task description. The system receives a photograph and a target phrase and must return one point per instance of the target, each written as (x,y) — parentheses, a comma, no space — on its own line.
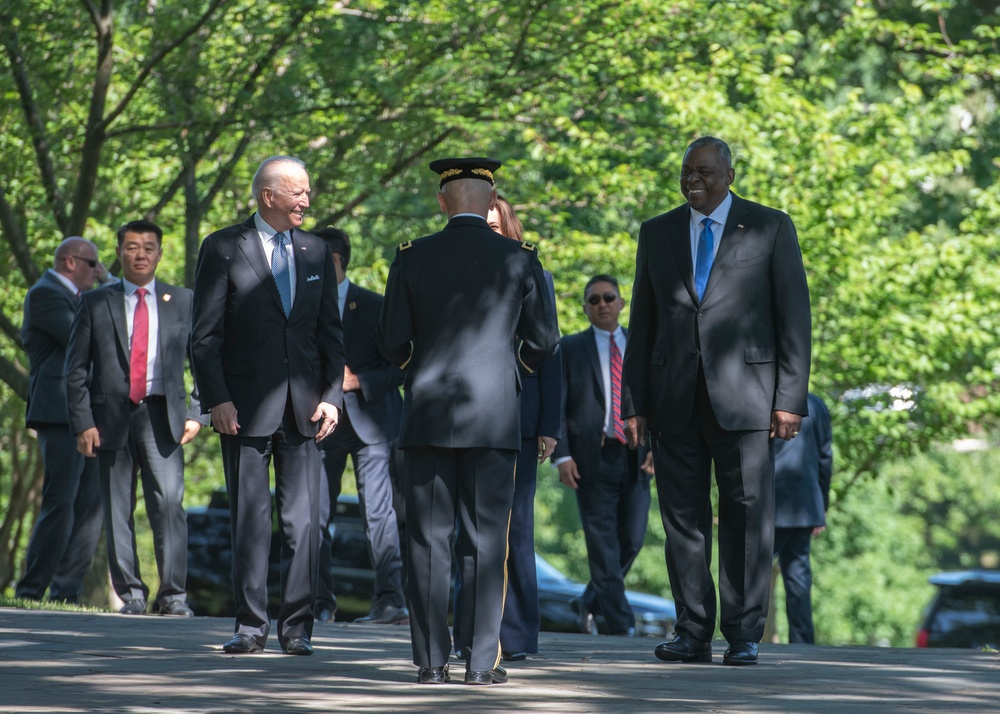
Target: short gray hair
(264,178)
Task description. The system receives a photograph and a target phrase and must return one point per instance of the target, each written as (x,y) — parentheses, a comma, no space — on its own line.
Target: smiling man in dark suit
(269,361)
(461,307)
(125,370)
(369,422)
(717,365)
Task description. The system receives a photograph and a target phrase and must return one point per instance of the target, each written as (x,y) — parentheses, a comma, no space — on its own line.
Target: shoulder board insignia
(405,246)
(528,246)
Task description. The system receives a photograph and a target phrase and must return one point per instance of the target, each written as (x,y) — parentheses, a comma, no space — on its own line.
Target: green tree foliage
(874,125)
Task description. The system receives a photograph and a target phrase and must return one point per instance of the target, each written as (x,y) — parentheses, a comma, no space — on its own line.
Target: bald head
(467,196)
(76,258)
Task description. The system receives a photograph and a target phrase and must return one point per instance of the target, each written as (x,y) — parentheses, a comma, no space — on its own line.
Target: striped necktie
(616,390)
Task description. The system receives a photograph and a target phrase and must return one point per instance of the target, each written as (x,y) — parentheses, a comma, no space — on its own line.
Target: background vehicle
(210,590)
(965,612)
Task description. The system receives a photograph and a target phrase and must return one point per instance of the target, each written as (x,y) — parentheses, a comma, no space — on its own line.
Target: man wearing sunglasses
(69,522)
(593,459)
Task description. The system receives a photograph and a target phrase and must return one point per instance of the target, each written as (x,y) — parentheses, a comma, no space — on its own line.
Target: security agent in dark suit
(717,366)
(593,459)
(369,422)
(461,307)
(125,370)
(803,469)
(269,362)
(69,522)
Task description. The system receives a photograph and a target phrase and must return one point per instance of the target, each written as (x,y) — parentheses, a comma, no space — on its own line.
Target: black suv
(965,612)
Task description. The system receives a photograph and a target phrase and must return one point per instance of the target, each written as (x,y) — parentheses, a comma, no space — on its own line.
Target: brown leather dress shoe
(242,644)
(740,652)
(298,646)
(433,675)
(497,675)
(684,648)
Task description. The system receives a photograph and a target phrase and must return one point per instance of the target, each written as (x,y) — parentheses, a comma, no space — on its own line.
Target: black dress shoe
(298,646)
(135,606)
(684,648)
(497,675)
(433,675)
(385,614)
(514,656)
(740,652)
(175,608)
(242,644)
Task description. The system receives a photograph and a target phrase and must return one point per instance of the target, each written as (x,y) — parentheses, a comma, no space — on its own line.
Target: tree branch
(13,375)
(16,239)
(158,57)
(35,123)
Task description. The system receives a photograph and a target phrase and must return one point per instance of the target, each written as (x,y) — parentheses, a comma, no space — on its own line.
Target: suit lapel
(595,362)
(303,269)
(350,310)
(166,325)
(254,253)
(680,236)
(116,306)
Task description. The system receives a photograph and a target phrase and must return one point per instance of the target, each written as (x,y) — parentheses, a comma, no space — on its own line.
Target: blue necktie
(703,265)
(282,272)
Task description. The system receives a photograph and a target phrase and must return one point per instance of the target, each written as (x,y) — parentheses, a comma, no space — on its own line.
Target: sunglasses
(89,261)
(608,297)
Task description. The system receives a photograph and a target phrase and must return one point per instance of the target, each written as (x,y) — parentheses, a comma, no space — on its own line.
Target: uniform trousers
(474,486)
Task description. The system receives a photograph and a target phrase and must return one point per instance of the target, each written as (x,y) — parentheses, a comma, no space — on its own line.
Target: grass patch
(58,605)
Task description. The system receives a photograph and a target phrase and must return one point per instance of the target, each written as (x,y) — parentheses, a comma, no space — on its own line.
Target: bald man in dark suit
(716,367)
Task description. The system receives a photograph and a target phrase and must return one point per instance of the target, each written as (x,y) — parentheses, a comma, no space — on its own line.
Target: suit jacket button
(701,313)
(284,361)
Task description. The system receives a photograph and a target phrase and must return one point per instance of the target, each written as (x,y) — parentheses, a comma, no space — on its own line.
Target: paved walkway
(73,662)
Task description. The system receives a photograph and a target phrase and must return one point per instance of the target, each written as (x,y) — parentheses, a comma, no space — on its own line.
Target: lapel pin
(739,225)
(166,297)
(352,306)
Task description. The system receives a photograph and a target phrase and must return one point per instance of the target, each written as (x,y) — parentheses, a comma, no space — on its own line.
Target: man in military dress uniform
(462,306)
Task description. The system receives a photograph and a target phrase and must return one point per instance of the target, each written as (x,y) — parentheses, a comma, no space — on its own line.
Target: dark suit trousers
(791,546)
(69,523)
(297,470)
(371,472)
(476,488)
(744,472)
(151,451)
(614,511)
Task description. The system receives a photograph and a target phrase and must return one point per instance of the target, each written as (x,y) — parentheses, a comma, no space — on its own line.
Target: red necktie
(616,390)
(140,348)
